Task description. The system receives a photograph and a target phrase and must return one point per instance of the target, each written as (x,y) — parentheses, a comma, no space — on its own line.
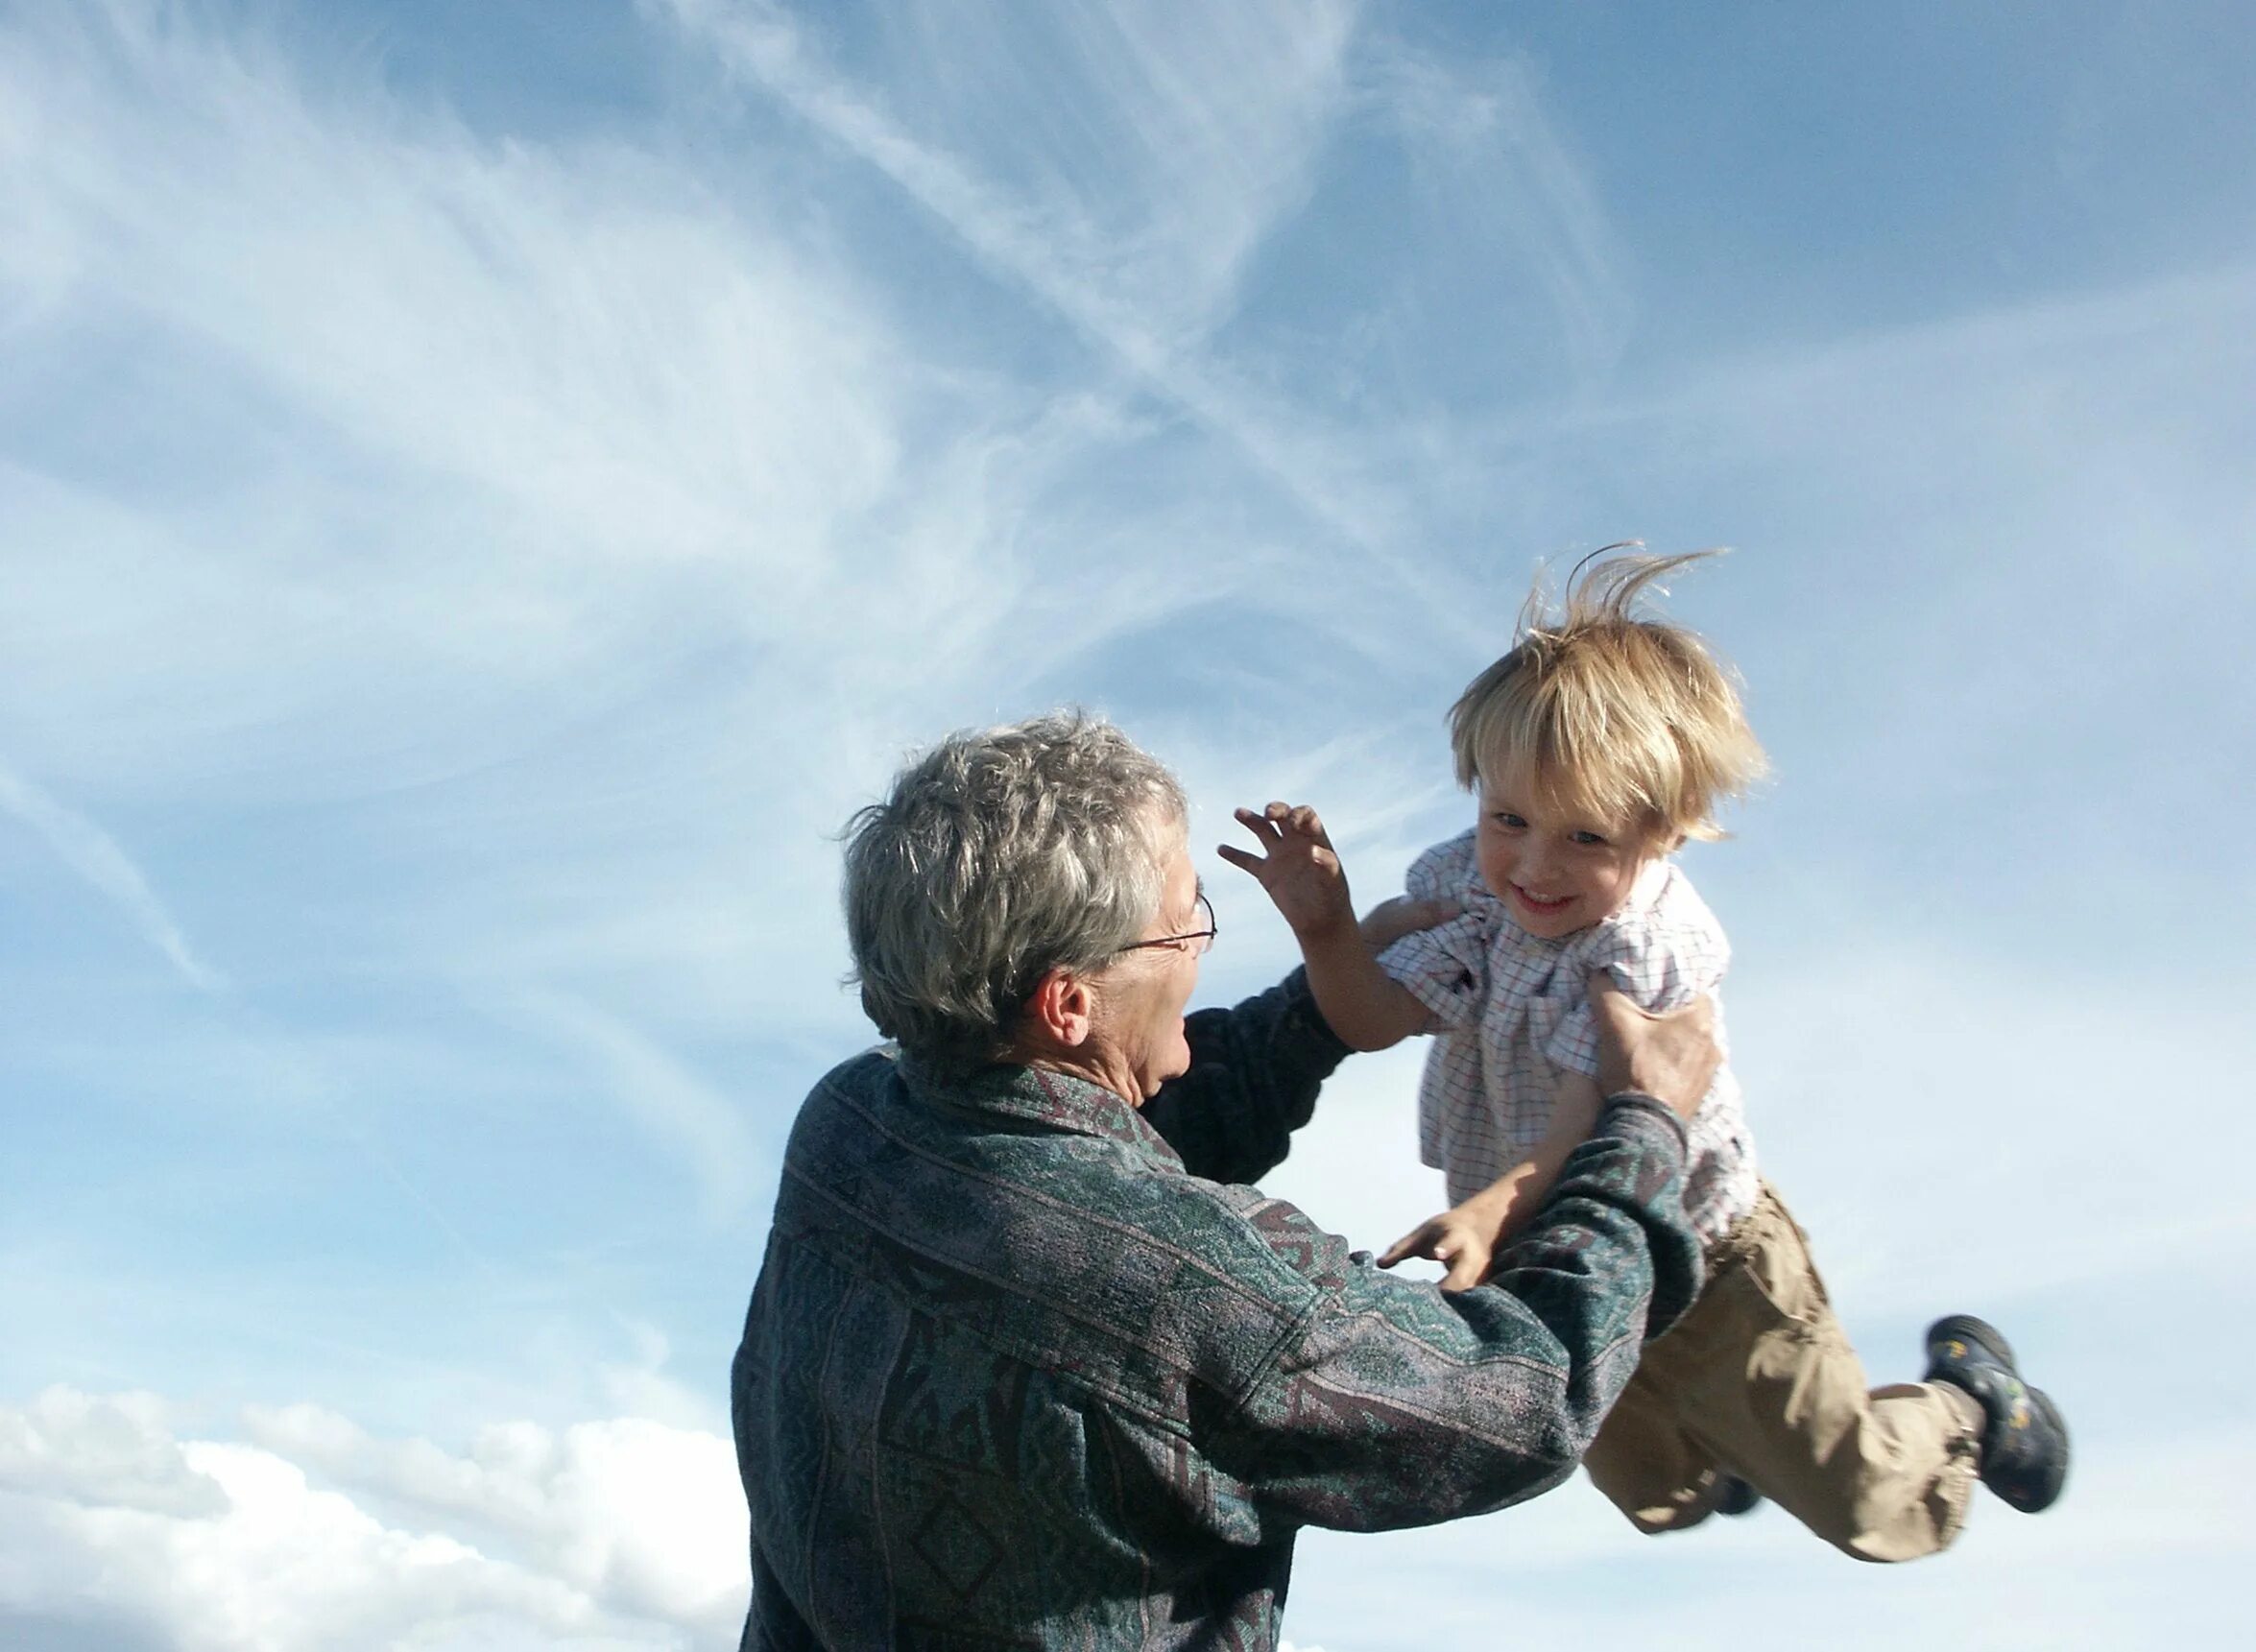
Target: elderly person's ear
(1060,1012)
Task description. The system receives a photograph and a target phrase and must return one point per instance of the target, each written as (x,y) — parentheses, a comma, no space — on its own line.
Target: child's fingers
(1464,1273)
(1417,1242)
(1298,818)
(1467,1261)
(1261,825)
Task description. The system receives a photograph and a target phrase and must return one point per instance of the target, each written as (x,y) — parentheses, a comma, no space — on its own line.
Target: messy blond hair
(1627,719)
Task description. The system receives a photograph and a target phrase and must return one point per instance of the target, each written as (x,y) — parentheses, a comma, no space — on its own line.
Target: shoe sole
(2047,1495)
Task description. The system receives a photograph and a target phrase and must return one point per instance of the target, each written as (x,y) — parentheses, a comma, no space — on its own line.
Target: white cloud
(312,1533)
(619,1534)
(103,1451)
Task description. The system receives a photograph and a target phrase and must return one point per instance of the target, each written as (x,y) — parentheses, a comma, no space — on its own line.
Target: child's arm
(1302,873)
(1468,1236)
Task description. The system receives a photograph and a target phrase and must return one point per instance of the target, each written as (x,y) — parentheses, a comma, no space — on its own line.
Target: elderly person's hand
(1671,1057)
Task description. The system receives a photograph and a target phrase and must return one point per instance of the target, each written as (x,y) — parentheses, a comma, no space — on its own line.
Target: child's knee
(1655,1509)
(1660,1519)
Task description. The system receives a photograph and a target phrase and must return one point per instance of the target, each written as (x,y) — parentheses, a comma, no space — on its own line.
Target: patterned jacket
(1026,1366)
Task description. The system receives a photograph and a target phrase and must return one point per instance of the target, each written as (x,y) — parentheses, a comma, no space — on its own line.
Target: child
(1596,746)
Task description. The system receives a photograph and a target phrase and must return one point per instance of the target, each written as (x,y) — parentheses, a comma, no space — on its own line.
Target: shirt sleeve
(1663,958)
(1255,1071)
(1445,968)
(1396,1404)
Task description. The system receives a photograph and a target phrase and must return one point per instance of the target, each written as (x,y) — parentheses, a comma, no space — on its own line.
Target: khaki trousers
(1758,1380)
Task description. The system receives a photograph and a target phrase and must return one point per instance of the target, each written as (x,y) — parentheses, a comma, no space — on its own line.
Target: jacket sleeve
(1395,1404)
(1254,1075)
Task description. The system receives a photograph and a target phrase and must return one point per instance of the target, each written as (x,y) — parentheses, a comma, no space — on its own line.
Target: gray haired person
(1030,1361)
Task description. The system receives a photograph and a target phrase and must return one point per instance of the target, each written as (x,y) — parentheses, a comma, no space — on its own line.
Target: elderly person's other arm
(1255,1070)
(1392,1405)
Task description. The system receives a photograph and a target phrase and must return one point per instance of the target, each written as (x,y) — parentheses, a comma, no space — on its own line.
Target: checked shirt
(1512,1012)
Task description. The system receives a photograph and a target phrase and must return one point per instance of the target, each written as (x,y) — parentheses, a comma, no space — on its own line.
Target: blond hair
(1625,718)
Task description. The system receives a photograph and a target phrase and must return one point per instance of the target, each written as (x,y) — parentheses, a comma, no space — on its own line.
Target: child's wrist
(1495,1202)
(1334,929)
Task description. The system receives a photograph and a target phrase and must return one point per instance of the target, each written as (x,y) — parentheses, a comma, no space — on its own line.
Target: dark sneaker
(1734,1496)
(2024,1442)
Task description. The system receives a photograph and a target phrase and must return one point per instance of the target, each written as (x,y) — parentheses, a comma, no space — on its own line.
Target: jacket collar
(1052,1100)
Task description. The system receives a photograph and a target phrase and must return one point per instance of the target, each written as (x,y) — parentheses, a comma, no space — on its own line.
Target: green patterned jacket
(1027,1366)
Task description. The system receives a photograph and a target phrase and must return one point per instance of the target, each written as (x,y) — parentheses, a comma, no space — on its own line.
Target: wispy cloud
(1123,186)
(1516,196)
(1104,286)
(96,857)
(701,1127)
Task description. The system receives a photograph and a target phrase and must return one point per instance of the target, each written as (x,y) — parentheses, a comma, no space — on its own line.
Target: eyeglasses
(1196,941)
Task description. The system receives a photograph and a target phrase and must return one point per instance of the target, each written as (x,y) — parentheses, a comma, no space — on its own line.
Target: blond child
(1602,741)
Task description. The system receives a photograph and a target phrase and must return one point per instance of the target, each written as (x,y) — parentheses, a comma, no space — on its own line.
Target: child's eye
(1589,839)
(1509,820)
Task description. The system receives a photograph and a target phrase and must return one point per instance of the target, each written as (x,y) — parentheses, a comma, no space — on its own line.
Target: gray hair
(999,855)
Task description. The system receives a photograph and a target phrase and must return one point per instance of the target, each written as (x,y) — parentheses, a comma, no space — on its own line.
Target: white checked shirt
(1511,1011)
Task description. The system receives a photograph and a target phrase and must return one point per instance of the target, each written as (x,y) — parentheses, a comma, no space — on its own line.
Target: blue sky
(485,491)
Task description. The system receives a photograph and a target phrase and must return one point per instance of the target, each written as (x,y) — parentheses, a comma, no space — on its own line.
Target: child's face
(1555,872)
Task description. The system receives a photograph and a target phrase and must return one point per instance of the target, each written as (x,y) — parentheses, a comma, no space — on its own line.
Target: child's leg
(1772,1386)
(1647,1465)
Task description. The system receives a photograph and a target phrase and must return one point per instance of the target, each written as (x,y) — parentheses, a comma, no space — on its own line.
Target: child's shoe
(1735,1497)
(2024,1442)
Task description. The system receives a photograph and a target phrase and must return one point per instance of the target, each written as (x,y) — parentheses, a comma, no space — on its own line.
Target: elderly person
(1028,1362)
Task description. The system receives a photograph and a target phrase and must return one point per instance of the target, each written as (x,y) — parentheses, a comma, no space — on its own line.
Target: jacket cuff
(1625,1104)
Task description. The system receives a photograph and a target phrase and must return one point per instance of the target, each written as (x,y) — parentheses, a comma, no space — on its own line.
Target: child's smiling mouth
(1540,902)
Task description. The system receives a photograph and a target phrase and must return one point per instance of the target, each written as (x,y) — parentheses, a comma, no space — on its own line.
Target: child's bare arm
(1299,868)
(1468,1236)
(1575,1102)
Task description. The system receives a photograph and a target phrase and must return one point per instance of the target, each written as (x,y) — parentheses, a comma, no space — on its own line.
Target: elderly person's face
(1142,994)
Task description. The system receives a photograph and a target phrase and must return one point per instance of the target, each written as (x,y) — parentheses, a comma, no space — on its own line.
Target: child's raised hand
(1458,1239)
(1297,866)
